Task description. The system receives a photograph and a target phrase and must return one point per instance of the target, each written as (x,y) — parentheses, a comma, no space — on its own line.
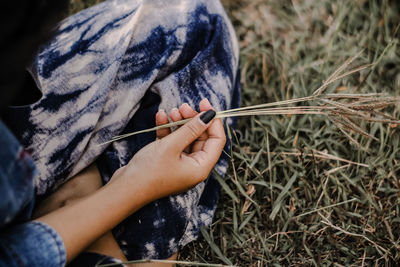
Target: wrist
(131,183)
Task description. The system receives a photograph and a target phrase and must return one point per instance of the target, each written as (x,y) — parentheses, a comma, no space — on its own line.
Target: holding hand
(173,163)
(179,160)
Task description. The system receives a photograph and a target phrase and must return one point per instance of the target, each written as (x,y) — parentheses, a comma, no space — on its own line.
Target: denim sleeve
(16,180)
(31,244)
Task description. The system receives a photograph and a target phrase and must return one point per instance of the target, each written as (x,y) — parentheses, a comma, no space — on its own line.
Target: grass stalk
(184,263)
(346,106)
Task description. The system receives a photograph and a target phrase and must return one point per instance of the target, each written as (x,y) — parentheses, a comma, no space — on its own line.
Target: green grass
(77,5)
(284,202)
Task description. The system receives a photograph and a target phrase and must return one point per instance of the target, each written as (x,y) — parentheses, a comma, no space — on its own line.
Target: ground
(283,203)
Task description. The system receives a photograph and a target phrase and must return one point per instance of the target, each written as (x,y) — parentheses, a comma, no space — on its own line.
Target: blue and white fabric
(106,72)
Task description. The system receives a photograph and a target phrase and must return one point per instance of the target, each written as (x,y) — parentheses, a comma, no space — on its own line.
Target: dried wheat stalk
(346,111)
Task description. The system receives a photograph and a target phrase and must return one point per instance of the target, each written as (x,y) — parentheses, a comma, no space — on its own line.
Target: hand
(179,160)
(159,169)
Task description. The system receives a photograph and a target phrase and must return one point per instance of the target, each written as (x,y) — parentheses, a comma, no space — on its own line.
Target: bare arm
(84,221)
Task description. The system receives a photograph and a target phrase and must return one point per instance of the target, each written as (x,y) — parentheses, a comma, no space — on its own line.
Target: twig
(326,207)
(187,263)
(327,222)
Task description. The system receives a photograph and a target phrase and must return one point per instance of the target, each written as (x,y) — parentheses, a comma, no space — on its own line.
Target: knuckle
(193,129)
(161,146)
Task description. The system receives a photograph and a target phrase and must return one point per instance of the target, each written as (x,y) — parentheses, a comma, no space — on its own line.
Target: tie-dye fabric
(107,71)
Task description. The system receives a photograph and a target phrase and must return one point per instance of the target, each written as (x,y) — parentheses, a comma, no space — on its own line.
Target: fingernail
(161,110)
(174,109)
(207,116)
(205,100)
(184,104)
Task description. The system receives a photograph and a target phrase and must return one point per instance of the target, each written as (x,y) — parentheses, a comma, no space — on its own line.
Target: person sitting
(107,70)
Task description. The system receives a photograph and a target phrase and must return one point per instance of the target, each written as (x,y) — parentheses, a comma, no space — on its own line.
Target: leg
(79,186)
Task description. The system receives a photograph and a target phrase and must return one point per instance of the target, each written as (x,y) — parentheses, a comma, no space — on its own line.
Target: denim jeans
(107,72)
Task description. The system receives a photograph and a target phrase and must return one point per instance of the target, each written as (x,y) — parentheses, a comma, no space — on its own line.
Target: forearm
(86,220)
(81,223)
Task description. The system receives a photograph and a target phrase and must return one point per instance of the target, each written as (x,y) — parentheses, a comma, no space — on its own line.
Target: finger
(205,105)
(212,148)
(189,132)
(175,115)
(216,130)
(162,118)
(187,111)
(204,160)
(216,137)
(199,143)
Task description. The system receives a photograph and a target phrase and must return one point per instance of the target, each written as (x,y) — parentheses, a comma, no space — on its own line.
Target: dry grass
(289,198)
(341,109)
(299,191)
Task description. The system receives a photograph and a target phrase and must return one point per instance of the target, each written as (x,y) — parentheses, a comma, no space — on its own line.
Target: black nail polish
(207,116)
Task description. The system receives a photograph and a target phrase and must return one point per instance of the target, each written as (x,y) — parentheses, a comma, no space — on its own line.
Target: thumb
(190,131)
